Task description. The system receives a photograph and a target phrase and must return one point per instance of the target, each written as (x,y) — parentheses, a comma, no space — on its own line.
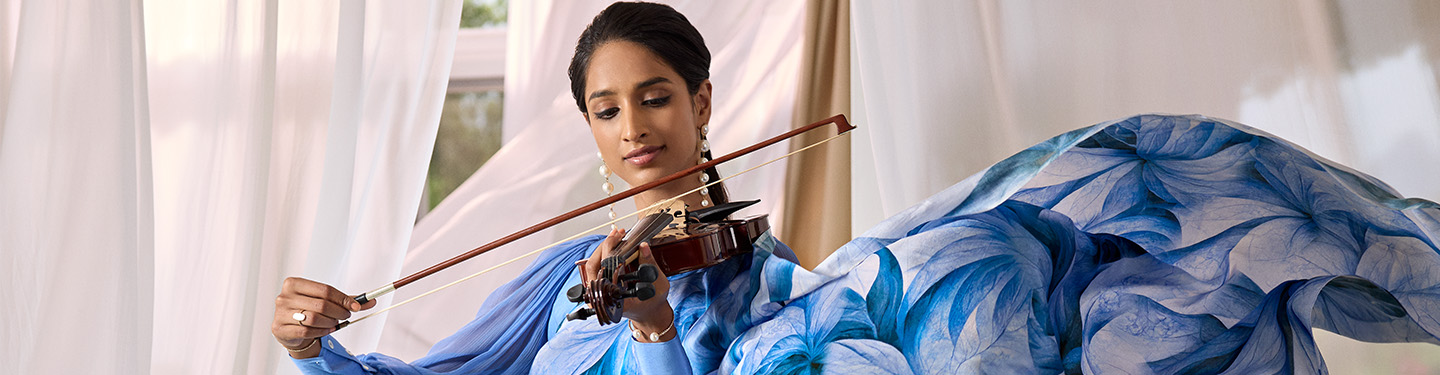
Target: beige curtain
(817,193)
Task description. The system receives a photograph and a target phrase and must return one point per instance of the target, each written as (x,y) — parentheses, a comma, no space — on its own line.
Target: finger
(334,296)
(592,267)
(302,332)
(317,321)
(647,256)
(661,283)
(287,329)
(296,303)
(329,293)
(368,304)
(612,240)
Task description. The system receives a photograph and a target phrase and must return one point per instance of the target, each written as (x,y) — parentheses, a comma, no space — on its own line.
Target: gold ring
(299,316)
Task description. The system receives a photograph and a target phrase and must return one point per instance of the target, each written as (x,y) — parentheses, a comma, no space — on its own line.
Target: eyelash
(657,102)
(610,113)
(607,113)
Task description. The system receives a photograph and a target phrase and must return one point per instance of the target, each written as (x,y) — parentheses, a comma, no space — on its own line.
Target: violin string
(666,202)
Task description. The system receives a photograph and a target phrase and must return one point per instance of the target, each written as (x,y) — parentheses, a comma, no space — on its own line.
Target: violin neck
(645,229)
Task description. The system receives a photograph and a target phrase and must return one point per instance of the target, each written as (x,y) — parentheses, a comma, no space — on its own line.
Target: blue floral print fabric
(1154,244)
(1149,245)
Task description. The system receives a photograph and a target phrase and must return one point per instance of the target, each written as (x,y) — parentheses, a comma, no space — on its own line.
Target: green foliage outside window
(469,135)
(483,13)
(470,122)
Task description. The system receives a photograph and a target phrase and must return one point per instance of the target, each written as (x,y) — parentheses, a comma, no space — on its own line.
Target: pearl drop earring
(704,176)
(608,187)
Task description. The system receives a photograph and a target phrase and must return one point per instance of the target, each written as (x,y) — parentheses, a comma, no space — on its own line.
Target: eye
(608,113)
(657,102)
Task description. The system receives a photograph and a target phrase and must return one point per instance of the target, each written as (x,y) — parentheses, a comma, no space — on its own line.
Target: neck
(672,189)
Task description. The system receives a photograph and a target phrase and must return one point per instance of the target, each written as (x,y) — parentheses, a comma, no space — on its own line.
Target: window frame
(479,62)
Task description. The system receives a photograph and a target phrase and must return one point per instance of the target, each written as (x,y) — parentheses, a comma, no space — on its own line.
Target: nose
(634,126)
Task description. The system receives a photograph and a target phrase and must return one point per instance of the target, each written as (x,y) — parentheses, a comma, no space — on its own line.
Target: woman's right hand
(323,308)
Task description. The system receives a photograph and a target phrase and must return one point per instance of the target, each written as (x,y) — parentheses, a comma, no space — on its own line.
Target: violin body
(701,245)
(696,245)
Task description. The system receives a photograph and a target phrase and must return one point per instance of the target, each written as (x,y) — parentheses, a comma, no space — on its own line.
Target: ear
(585,116)
(702,103)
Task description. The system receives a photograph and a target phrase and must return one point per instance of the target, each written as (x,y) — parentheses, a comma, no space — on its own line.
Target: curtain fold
(1340,78)
(182,162)
(9,22)
(817,182)
(76,238)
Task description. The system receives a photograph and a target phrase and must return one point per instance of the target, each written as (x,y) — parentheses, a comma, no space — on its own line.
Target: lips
(643,155)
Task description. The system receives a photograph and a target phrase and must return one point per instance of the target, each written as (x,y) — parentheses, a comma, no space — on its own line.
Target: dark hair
(663,31)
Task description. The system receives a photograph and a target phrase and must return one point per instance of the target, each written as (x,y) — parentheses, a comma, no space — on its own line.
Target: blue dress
(1154,244)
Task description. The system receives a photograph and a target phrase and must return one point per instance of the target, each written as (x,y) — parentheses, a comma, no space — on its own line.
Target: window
(470,121)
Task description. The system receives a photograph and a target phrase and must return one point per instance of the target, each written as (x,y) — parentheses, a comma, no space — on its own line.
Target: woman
(1154,244)
(640,77)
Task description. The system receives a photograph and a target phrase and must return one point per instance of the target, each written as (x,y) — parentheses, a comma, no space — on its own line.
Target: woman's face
(645,122)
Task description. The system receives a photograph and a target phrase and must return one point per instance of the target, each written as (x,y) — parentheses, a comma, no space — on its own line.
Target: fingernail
(354,306)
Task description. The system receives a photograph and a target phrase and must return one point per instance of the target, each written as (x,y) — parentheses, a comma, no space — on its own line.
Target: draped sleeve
(511,326)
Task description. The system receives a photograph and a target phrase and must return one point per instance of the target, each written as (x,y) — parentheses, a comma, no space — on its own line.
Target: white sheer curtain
(944,89)
(548,164)
(76,235)
(286,138)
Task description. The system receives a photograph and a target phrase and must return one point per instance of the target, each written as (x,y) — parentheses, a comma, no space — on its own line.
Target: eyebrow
(641,85)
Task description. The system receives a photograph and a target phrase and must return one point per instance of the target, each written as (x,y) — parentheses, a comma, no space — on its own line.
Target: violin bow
(842,126)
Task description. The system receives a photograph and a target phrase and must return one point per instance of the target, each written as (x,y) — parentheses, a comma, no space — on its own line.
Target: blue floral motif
(1153,244)
(797,338)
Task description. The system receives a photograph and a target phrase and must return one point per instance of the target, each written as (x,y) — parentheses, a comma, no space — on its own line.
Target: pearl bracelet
(654,337)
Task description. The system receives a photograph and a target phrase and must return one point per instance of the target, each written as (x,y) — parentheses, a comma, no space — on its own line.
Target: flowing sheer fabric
(947,84)
(76,220)
(277,138)
(1154,244)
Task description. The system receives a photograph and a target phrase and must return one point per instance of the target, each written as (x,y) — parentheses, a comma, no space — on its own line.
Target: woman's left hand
(653,315)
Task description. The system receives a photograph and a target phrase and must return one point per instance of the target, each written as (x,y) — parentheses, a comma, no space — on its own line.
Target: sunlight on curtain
(75,215)
(9,22)
(1334,79)
(547,165)
(950,88)
(289,138)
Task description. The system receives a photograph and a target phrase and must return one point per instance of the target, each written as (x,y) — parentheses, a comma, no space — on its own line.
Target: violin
(699,244)
(705,239)
(623,278)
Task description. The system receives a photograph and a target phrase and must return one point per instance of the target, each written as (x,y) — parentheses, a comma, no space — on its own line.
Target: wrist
(658,327)
(655,320)
(311,349)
